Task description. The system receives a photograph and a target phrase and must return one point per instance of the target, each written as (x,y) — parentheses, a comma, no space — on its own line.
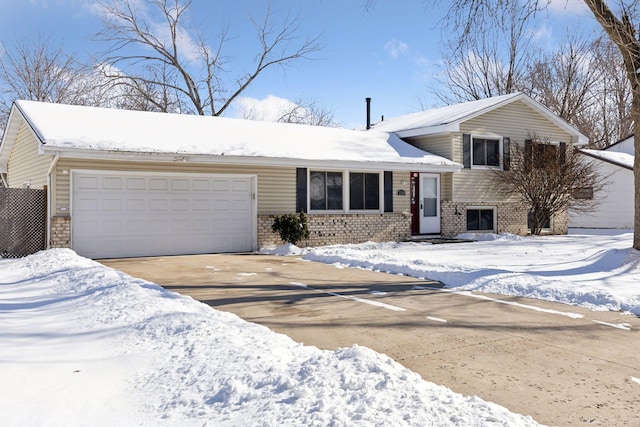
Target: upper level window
(364,191)
(486,152)
(325,190)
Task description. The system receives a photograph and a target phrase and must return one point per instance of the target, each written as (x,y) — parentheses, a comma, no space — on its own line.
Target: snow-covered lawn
(596,269)
(84,345)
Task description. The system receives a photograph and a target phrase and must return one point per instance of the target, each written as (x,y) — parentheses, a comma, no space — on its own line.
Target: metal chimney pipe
(368,113)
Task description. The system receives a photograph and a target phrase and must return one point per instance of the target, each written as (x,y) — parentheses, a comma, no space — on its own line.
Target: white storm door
(429,203)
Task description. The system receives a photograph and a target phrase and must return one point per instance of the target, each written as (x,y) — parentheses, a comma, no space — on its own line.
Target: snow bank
(597,270)
(83,344)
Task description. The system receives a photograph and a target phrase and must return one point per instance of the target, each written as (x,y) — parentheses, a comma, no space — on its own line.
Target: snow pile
(284,250)
(596,270)
(485,237)
(83,344)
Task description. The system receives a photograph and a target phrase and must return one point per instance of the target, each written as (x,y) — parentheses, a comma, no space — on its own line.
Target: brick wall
(511,218)
(60,236)
(342,229)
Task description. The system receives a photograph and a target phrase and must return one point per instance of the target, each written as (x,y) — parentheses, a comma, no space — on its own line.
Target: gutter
(54,162)
(221,159)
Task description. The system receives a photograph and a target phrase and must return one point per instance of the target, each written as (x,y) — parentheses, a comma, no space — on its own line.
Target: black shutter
(506,153)
(528,155)
(563,152)
(301,190)
(388,191)
(466,150)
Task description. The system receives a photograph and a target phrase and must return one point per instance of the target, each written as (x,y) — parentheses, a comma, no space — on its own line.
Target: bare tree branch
(143,51)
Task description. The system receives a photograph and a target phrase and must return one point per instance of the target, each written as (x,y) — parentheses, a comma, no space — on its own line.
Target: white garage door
(116,214)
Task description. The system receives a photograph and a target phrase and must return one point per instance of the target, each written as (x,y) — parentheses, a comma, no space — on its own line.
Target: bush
(292,228)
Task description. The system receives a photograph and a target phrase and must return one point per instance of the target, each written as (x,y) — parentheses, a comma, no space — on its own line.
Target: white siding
(616,201)
(25,164)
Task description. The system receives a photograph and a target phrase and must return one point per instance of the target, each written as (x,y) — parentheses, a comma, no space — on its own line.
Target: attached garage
(118,214)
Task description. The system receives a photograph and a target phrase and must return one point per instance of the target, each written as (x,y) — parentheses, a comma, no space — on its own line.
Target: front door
(429,203)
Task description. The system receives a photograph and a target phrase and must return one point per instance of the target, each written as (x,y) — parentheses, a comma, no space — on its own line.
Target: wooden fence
(23,214)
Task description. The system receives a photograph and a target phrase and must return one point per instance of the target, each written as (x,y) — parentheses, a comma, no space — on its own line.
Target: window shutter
(466,150)
(388,191)
(528,154)
(563,152)
(301,190)
(506,153)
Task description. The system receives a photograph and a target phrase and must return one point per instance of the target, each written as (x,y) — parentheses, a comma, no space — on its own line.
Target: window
(583,193)
(545,222)
(486,152)
(325,190)
(539,154)
(364,191)
(480,219)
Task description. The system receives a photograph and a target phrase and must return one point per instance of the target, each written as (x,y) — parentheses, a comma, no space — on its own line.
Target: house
(616,201)
(479,135)
(130,183)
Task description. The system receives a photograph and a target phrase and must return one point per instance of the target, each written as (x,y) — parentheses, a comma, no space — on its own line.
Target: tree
(549,179)
(464,16)
(167,58)
(488,63)
(36,70)
(307,112)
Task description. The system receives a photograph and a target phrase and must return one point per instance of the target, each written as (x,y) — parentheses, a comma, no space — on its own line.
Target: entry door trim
(429,203)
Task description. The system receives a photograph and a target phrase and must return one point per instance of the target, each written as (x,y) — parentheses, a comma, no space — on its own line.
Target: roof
(79,131)
(625,145)
(448,119)
(624,160)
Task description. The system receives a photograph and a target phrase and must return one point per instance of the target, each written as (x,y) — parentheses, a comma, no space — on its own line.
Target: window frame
(485,137)
(309,189)
(346,193)
(380,191)
(482,208)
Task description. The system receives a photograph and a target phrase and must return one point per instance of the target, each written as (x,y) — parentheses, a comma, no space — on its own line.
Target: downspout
(4,180)
(54,162)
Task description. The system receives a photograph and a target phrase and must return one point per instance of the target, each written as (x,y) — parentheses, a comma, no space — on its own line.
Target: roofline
(621,141)
(454,126)
(11,133)
(429,130)
(602,159)
(242,160)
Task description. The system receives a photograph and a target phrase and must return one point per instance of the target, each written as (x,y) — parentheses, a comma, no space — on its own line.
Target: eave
(243,160)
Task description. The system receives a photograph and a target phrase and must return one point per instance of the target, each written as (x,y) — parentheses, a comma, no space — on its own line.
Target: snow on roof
(447,119)
(441,116)
(68,127)
(621,159)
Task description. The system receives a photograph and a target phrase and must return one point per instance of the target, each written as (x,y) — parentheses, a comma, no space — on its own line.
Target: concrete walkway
(560,364)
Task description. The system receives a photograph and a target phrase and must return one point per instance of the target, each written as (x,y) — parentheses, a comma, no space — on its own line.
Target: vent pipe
(368,113)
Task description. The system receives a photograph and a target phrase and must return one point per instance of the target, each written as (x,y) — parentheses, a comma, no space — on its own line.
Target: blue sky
(389,53)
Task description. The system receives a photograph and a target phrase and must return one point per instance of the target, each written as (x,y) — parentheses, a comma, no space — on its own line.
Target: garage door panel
(112,183)
(136,184)
(118,216)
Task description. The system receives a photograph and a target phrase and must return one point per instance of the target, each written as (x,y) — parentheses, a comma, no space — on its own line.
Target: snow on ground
(86,345)
(596,269)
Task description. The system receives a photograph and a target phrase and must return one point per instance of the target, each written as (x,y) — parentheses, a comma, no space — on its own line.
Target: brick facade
(342,229)
(511,218)
(60,236)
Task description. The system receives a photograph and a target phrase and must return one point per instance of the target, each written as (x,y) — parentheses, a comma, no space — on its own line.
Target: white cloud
(567,6)
(396,48)
(269,109)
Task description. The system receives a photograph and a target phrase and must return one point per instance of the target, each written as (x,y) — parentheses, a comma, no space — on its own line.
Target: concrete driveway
(560,364)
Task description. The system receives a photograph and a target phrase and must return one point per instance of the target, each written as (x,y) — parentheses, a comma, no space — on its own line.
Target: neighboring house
(616,207)
(129,183)
(479,135)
